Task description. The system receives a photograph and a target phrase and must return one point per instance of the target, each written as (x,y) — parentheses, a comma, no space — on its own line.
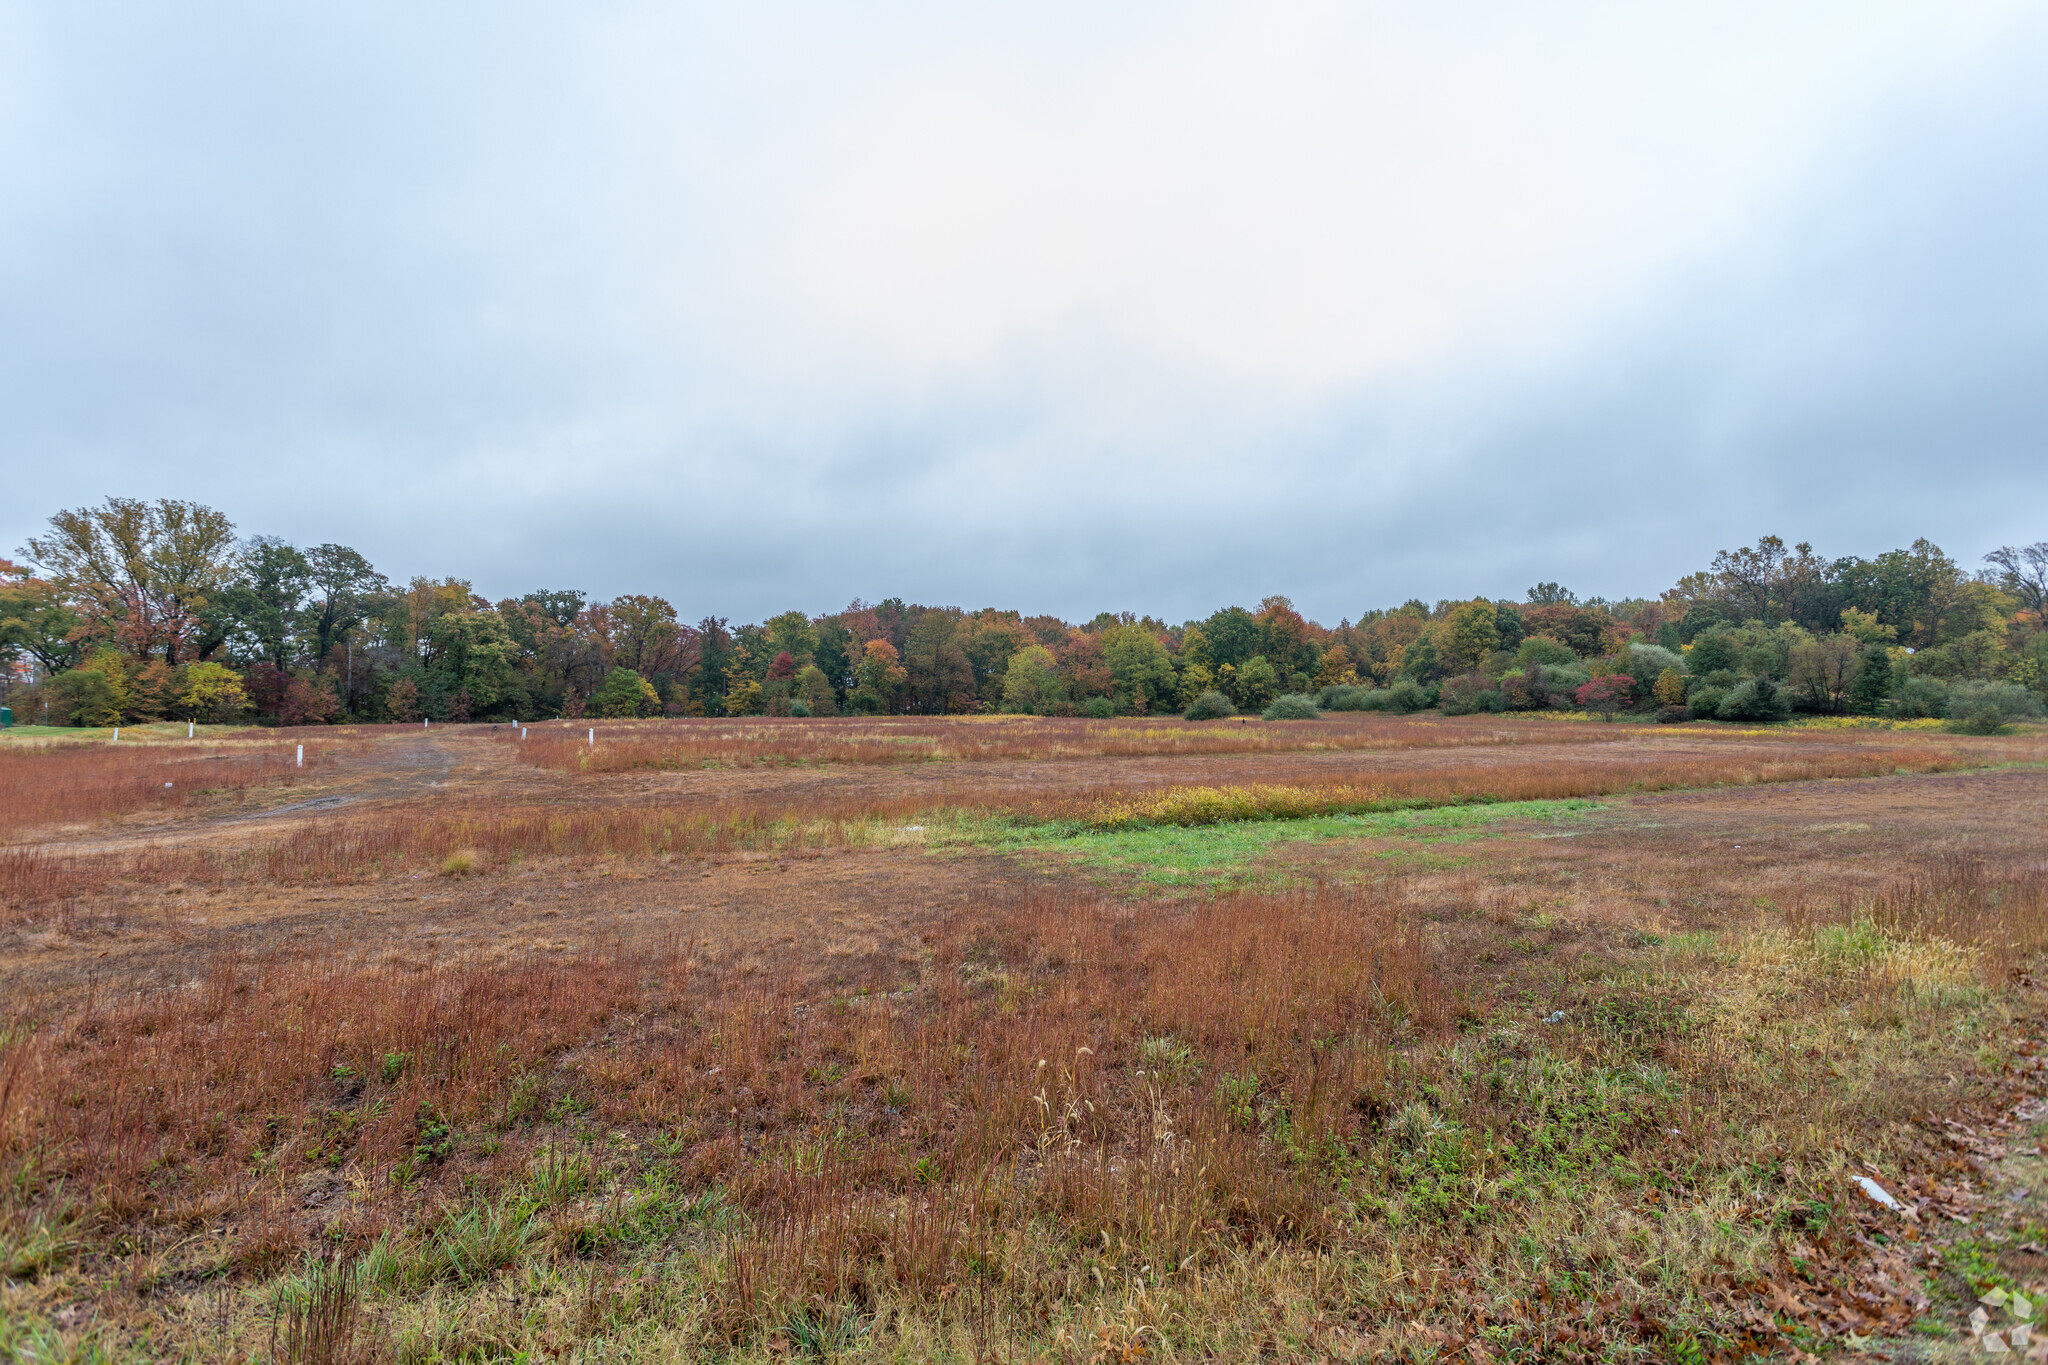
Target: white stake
(117,734)
(188,729)
(522,732)
(302,755)
(593,736)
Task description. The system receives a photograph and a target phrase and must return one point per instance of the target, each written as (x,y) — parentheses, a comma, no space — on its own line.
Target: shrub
(1757,699)
(1673,715)
(1669,688)
(1099,708)
(84,696)
(1292,706)
(1566,680)
(1606,694)
(1706,701)
(1921,697)
(1211,705)
(1343,697)
(1473,692)
(1987,708)
(1526,691)
(1645,663)
(1401,696)
(800,708)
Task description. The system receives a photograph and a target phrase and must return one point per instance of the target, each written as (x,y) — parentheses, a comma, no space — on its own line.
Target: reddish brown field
(697,1060)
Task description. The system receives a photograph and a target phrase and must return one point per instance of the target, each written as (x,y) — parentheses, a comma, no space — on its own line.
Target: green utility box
(6,717)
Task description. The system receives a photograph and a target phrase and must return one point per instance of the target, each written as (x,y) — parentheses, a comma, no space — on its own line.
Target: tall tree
(260,607)
(34,620)
(344,590)
(141,573)
(2023,571)
(645,635)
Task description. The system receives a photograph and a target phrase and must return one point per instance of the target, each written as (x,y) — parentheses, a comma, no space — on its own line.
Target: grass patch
(1228,852)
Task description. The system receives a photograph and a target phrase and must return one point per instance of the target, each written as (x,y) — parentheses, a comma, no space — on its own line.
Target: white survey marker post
(117,735)
(188,729)
(302,755)
(593,736)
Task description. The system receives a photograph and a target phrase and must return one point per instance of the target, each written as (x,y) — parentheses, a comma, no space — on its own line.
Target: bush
(1758,699)
(1343,697)
(800,708)
(1401,696)
(1099,708)
(1292,706)
(1211,705)
(1706,701)
(83,696)
(1463,696)
(1921,697)
(1673,715)
(1645,663)
(1987,708)
(1606,694)
(1560,679)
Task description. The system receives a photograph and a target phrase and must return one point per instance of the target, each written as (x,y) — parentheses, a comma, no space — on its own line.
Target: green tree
(1467,636)
(941,678)
(344,590)
(1711,653)
(834,655)
(1139,663)
(625,694)
(36,621)
(1419,660)
(475,653)
(260,609)
(1230,636)
(1031,683)
(814,690)
(792,633)
(1874,681)
(1258,682)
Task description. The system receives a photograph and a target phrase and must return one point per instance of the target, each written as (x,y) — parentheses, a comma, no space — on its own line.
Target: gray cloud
(400,284)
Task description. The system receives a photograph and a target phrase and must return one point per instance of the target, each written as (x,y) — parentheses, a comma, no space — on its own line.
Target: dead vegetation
(47,784)
(1407,1116)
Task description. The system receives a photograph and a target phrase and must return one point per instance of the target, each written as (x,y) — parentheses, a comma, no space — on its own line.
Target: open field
(1385,1038)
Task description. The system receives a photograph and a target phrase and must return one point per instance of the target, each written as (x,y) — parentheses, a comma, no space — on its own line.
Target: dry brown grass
(1470,1112)
(402,839)
(50,784)
(1066,1092)
(627,746)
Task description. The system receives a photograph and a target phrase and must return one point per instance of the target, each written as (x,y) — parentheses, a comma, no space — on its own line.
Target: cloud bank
(1161,309)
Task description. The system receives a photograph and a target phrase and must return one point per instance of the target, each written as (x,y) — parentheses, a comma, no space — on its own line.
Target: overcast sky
(1061,307)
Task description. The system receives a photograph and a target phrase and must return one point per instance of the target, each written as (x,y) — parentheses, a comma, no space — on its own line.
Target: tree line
(135,610)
